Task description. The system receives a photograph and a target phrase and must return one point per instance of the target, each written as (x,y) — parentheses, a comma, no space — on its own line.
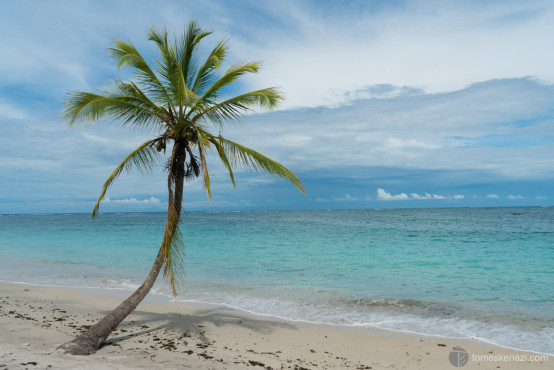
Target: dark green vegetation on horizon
(182,100)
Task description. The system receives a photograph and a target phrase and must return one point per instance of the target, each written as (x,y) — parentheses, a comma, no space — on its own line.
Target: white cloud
(383,195)
(426,196)
(152,202)
(513,197)
(398,81)
(492,196)
(382,132)
(540,197)
(439,46)
(318,55)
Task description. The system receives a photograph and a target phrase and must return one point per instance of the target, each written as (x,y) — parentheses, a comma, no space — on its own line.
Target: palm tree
(181,99)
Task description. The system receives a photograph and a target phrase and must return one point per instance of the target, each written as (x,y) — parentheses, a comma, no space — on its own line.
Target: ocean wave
(526,333)
(451,320)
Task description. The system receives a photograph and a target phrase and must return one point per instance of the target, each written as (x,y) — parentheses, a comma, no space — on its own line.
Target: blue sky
(389,103)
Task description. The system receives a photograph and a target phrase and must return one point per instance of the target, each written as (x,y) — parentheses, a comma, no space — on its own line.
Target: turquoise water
(486,273)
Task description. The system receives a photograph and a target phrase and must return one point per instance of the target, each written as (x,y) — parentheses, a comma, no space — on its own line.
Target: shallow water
(466,272)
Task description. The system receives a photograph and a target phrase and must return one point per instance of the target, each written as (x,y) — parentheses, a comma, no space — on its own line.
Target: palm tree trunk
(90,341)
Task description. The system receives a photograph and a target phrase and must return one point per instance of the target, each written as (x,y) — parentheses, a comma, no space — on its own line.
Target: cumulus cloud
(540,197)
(513,197)
(152,202)
(492,196)
(384,195)
(426,196)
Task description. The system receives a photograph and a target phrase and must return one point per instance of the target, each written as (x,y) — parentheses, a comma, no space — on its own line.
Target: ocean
(485,273)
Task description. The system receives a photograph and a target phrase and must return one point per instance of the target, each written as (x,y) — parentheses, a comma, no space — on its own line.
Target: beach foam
(436,272)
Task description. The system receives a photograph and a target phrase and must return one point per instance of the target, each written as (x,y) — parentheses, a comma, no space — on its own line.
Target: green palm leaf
(143,158)
(241,155)
(214,92)
(173,245)
(125,54)
(202,144)
(236,107)
(224,159)
(187,49)
(211,65)
(85,107)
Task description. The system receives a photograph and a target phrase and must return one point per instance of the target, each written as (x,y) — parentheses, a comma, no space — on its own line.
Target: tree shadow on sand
(192,325)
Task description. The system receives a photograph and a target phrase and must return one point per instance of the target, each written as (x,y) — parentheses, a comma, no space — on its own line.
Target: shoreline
(36,319)
(164,298)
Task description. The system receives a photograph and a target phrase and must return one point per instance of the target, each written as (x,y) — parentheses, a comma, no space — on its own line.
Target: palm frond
(84,107)
(202,144)
(132,93)
(224,159)
(143,158)
(235,108)
(211,65)
(173,245)
(173,266)
(187,50)
(241,155)
(170,68)
(125,54)
(214,91)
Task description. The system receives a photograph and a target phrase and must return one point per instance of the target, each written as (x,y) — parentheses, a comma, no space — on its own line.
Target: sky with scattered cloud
(388,103)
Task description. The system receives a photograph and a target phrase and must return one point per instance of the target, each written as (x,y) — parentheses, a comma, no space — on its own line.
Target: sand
(35,320)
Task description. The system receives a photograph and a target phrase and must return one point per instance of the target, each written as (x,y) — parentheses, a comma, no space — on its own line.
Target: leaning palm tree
(182,100)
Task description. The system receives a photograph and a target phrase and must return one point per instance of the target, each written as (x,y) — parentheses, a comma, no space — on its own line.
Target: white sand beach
(34,320)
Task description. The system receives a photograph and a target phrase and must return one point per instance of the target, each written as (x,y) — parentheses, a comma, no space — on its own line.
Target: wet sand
(35,320)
